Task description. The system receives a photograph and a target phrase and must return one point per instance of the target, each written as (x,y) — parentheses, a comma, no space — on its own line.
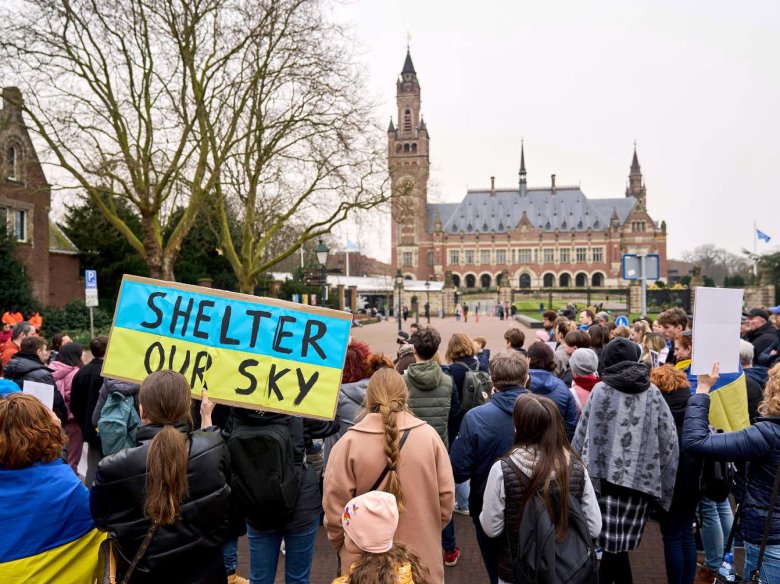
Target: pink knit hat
(370,521)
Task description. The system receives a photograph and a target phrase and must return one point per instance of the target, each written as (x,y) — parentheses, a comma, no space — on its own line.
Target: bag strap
(141,551)
(382,476)
(767,524)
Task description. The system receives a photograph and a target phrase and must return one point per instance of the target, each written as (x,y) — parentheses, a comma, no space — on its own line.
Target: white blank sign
(43,391)
(717,314)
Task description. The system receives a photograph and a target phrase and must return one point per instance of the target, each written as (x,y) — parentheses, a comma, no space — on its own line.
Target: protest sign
(251,352)
(43,391)
(717,315)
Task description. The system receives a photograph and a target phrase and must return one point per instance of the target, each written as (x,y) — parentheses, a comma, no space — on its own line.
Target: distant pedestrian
(465,312)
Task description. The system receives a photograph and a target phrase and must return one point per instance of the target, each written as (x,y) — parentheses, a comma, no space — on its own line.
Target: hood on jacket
(7,386)
(628,377)
(425,376)
(60,370)
(543,382)
(21,364)
(124,387)
(758,373)
(355,391)
(506,398)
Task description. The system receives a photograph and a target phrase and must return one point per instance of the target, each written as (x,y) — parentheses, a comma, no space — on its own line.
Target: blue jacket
(758,444)
(546,384)
(487,433)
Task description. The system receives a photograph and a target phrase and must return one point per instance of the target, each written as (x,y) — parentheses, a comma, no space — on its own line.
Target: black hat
(759,312)
(403,337)
(619,350)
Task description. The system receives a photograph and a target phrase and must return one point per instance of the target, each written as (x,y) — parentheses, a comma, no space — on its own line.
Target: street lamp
(428,301)
(399,282)
(321,251)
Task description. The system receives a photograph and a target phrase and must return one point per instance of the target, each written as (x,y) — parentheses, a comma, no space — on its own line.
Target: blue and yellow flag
(728,400)
(47,531)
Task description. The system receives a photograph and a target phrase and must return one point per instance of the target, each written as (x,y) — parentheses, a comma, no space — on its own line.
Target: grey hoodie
(430,393)
(351,397)
(110,386)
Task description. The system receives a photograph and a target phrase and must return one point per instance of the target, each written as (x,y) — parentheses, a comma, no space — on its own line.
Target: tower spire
(408,65)
(523,185)
(636,187)
(635,168)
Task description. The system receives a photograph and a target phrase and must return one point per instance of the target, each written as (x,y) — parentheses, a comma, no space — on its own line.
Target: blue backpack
(118,423)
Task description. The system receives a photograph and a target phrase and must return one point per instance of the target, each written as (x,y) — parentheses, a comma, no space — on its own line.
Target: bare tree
(308,152)
(717,263)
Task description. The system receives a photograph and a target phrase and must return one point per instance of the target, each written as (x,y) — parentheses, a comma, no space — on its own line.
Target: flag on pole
(762,236)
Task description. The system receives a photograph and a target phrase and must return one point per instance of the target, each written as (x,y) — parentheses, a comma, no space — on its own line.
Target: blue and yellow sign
(250,352)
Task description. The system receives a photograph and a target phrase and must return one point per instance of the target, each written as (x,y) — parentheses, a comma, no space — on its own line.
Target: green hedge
(73,318)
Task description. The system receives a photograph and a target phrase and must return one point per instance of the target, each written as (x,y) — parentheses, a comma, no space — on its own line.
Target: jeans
(679,547)
(716,520)
(264,554)
(462,491)
(770,568)
(490,547)
(230,555)
(448,537)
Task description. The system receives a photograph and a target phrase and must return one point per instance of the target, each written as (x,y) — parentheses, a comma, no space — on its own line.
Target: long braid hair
(387,395)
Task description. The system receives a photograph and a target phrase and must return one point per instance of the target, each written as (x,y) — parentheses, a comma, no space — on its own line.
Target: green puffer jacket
(430,392)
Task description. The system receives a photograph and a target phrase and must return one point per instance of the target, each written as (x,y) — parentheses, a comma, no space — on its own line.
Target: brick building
(49,257)
(551,236)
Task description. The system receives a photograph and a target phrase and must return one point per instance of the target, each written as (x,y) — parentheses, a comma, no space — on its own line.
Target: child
(369,523)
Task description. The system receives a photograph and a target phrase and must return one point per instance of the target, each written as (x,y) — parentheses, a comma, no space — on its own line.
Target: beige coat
(355,464)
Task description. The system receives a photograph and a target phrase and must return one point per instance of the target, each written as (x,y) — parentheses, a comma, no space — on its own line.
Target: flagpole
(755,253)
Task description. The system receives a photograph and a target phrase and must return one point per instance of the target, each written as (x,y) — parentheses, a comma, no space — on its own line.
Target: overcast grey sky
(696,84)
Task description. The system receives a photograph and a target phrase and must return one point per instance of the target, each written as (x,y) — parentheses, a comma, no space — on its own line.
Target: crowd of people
(560,448)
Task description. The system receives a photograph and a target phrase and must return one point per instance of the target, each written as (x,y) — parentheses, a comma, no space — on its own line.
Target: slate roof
(481,211)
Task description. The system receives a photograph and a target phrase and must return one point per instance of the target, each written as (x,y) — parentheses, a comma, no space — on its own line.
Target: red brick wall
(65,282)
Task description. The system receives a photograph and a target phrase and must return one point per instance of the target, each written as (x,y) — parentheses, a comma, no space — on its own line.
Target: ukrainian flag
(728,399)
(46,530)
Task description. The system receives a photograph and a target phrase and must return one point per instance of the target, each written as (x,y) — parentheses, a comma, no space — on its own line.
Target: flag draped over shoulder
(47,531)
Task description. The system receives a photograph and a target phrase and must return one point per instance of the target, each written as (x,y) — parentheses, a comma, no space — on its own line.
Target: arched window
(11,162)
(408,120)
(548,281)
(597,280)
(406,147)
(581,280)
(414,148)
(471,281)
(525,281)
(456,280)
(484,280)
(564,281)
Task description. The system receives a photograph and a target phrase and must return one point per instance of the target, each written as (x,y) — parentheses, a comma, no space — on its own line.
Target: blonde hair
(387,395)
(641,328)
(770,405)
(460,345)
(621,331)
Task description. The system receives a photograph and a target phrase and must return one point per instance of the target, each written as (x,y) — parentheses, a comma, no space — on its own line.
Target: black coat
(758,444)
(686,486)
(763,338)
(308,506)
(28,367)
(83,397)
(189,550)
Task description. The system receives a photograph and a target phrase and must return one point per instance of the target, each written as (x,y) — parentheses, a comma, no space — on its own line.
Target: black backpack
(717,477)
(538,558)
(264,478)
(476,388)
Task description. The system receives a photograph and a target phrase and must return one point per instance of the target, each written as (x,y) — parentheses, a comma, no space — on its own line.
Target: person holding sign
(170,493)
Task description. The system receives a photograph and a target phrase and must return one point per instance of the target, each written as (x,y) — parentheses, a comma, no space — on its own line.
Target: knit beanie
(584,362)
(370,521)
(619,350)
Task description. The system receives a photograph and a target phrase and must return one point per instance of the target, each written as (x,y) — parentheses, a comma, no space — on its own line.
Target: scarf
(586,382)
(627,437)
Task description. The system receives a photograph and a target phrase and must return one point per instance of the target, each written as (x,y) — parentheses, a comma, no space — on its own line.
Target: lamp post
(428,301)
(321,251)
(399,282)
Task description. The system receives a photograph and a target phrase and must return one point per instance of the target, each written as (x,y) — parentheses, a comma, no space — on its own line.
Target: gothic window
(525,256)
(525,281)
(548,281)
(581,254)
(549,255)
(414,148)
(469,256)
(565,255)
(501,257)
(484,257)
(12,162)
(408,120)
(454,257)
(597,280)
(471,281)
(564,281)
(598,255)
(406,147)
(581,280)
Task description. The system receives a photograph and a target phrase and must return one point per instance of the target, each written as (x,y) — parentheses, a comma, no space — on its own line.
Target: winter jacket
(581,386)
(28,367)
(192,545)
(762,338)
(63,379)
(546,384)
(9,350)
(759,373)
(457,371)
(110,386)
(484,359)
(755,393)
(486,434)
(309,503)
(759,444)
(430,394)
(84,397)
(358,460)
(686,486)
(351,397)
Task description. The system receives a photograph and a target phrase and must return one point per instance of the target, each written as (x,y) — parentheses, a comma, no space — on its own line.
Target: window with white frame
(581,255)
(500,256)
(525,256)
(597,253)
(469,256)
(484,256)
(407,258)
(454,257)
(565,254)
(549,255)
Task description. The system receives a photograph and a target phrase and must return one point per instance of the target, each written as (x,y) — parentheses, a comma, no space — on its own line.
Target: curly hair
(667,378)
(382,568)
(770,405)
(28,432)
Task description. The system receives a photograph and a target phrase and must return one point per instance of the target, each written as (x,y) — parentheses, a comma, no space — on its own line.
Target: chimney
(492,185)
(553,183)
(12,104)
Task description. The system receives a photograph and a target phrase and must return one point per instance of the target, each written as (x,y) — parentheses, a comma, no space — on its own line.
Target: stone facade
(543,237)
(50,259)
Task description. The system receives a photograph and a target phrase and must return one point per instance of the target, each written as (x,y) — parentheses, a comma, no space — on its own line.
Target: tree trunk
(152,247)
